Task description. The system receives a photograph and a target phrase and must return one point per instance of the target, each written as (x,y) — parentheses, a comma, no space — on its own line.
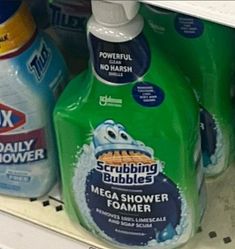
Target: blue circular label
(147,94)
(189,27)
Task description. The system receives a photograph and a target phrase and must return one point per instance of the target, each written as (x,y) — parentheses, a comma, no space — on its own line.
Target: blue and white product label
(69,20)
(209,136)
(189,27)
(120,63)
(122,192)
(29,84)
(19,148)
(147,94)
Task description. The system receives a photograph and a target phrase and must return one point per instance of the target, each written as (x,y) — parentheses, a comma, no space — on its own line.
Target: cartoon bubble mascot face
(112,137)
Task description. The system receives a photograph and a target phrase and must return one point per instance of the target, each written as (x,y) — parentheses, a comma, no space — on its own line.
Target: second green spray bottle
(205,51)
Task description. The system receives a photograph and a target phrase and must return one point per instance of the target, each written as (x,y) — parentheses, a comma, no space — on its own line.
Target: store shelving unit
(222,12)
(43,223)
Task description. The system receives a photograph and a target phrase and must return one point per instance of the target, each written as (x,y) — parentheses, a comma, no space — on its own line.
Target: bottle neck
(121,33)
(119,55)
(16,32)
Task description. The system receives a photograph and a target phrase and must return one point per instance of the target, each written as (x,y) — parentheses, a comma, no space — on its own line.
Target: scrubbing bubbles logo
(128,173)
(120,188)
(121,159)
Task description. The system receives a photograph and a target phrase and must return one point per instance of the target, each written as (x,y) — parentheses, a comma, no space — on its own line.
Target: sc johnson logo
(109,101)
(10,118)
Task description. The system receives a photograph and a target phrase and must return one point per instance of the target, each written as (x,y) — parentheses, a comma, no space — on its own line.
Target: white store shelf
(222,12)
(32,222)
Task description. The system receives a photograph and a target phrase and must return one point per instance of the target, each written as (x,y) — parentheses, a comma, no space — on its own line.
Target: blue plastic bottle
(32,74)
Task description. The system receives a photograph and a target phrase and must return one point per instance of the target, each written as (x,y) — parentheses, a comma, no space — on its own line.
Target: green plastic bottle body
(130,155)
(205,53)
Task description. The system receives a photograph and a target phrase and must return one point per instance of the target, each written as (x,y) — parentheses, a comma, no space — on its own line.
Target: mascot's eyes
(124,136)
(112,134)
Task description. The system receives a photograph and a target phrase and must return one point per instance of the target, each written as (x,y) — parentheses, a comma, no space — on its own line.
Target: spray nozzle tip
(114,12)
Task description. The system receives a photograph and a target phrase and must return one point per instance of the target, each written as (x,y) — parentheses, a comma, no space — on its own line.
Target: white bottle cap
(114,12)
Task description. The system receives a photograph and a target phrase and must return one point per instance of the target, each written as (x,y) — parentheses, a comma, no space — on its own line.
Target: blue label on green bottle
(120,62)
(189,27)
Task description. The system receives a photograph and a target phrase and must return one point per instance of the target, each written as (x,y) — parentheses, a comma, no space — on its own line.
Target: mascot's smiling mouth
(114,146)
(119,157)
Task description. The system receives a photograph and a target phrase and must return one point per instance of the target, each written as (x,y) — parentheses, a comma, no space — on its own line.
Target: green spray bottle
(205,52)
(128,137)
